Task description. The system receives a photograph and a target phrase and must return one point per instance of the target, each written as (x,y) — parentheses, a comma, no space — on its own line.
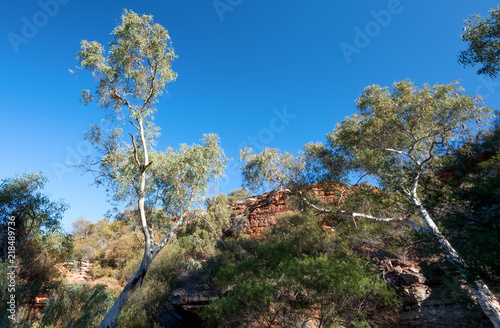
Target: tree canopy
(32,239)
(397,134)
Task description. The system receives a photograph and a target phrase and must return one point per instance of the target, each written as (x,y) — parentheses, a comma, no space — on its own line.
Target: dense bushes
(78,305)
(112,246)
(298,274)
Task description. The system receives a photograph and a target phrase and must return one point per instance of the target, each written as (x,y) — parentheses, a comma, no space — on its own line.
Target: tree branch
(151,88)
(146,166)
(135,126)
(403,153)
(409,222)
(135,151)
(173,229)
(116,95)
(213,229)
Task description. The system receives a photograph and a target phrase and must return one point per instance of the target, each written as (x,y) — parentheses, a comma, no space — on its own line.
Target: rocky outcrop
(257,213)
(426,302)
(75,272)
(332,193)
(185,304)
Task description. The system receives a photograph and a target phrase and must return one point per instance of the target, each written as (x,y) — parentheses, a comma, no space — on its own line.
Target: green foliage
(147,302)
(127,68)
(296,274)
(323,163)
(397,133)
(237,195)
(275,170)
(270,169)
(184,174)
(131,78)
(83,228)
(200,237)
(483,37)
(77,306)
(36,217)
(111,247)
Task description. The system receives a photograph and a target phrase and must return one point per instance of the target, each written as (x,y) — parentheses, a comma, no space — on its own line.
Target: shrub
(200,237)
(77,305)
(236,195)
(298,274)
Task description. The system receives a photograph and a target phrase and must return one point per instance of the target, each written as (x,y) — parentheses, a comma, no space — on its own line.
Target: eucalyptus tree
(131,76)
(395,138)
(483,37)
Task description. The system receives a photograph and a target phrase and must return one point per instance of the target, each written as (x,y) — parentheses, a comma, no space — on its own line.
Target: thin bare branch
(409,222)
(135,151)
(135,126)
(151,88)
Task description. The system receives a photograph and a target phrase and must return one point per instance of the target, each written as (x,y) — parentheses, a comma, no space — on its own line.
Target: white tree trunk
(485,298)
(111,319)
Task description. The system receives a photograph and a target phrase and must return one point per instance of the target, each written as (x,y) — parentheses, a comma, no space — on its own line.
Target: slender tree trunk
(485,298)
(111,319)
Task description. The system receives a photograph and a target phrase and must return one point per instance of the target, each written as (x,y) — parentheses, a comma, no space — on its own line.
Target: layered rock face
(255,214)
(426,302)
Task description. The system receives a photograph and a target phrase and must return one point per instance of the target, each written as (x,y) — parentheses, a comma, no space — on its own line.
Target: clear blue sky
(273,73)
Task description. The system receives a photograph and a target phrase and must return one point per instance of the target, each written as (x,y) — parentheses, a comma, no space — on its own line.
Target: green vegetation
(465,195)
(237,195)
(395,139)
(297,274)
(32,241)
(78,305)
(199,237)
